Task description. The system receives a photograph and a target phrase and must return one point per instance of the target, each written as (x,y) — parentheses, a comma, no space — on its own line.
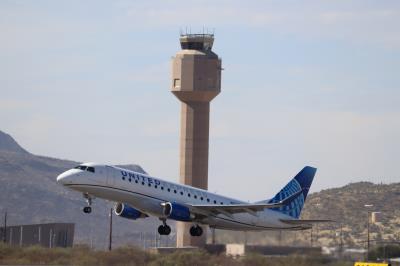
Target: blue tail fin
(302,181)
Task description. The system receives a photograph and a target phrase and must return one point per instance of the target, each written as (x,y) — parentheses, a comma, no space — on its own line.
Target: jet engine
(177,212)
(126,211)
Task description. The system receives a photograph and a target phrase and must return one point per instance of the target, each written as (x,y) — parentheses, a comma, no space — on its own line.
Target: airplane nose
(62,178)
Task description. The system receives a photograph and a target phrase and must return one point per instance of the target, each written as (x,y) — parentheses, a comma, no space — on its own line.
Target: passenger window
(181,193)
(162,188)
(195,196)
(155,186)
(201,198)
(130,180)
(123,178)
(215,202)
(136,181)
(189,195)
(208,200)
(143,183)
(169,189)
(174,191)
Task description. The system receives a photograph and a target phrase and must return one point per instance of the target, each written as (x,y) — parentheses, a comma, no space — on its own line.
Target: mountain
(30,194)
(7,143)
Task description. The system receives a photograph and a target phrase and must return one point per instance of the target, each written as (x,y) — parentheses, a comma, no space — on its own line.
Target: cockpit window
(81,167)
(90,169)
(85,168)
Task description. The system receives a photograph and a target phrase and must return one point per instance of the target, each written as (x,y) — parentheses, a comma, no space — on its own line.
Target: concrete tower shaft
(196,80)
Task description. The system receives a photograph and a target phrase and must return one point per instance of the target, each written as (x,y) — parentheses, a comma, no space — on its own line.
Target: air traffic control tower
(196,80)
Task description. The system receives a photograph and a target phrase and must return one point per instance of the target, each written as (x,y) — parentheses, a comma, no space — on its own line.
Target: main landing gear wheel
(196,230)
(164,230)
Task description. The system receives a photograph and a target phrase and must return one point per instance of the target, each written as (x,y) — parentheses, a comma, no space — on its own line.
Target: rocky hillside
(346,206)
(30,194)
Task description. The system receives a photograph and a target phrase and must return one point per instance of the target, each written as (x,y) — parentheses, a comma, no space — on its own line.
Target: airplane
(138,195)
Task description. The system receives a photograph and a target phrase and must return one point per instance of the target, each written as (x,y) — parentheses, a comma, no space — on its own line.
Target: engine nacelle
(126,211)
(177,212)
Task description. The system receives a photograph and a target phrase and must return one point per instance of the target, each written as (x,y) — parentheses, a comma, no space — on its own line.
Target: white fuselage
(147,194)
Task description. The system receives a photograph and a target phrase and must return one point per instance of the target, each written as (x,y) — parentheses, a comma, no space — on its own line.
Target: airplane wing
(206,209)
(231,208)
(301,222)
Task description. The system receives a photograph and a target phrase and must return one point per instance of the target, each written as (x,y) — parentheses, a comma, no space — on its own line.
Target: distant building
(240,250)
(376,217)
(47,235)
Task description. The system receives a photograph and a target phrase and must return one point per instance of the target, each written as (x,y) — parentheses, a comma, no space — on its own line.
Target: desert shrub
(40,255)
(6,250)
(194,258)
(183,258)
(256,260)
(124,256)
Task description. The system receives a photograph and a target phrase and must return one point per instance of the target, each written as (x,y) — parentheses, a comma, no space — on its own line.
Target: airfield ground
(82,255)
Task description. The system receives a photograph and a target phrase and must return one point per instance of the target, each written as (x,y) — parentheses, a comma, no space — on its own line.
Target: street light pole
(317,205)
(5,228)
(213,236)
(341,237)
(110,232)
(368,239)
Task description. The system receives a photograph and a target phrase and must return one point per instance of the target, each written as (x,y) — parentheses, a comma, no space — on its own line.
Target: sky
(304,83)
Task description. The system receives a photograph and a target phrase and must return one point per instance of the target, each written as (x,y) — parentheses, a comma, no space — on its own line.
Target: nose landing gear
(87,209)
(196,230)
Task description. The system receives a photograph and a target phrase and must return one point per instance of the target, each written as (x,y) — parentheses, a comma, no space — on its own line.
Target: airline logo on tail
(301,182)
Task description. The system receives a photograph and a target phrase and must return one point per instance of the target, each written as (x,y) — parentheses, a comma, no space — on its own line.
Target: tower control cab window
(192,45)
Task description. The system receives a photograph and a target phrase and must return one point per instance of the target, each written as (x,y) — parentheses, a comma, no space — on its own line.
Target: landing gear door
(110,176)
